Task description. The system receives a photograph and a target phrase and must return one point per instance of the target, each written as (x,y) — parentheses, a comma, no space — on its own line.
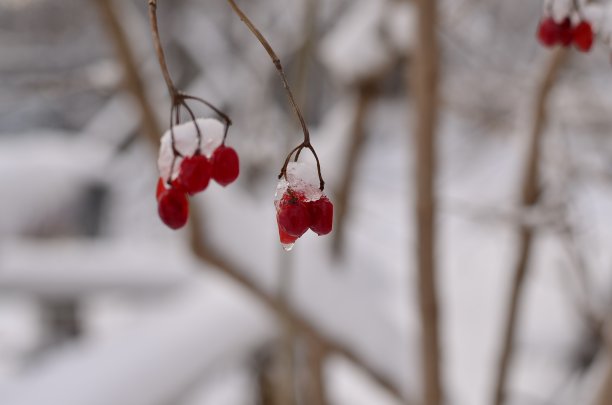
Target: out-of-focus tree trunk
(424,86)
(366,93)
(529,197)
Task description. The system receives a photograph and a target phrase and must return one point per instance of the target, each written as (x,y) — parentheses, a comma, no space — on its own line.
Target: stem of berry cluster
(159,50)
(179,99)
(279,68)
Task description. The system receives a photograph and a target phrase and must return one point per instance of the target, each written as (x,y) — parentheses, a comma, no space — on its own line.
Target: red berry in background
(583,36)
(161,187)
(292,215)
(565,32)
(225,165)
(173,208)
(285,238)
(194,174)
(321,215)
(548,32)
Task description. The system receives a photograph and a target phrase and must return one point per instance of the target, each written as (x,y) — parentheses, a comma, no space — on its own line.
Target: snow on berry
(559,10)
(301,205)
(186,143)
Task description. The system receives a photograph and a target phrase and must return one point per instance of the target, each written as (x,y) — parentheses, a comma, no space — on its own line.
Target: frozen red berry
(226,166)
(194,175)
(582,36)
(173,208)
(565,32)
(321,215)
(292,214)
(285,238)
(548,32)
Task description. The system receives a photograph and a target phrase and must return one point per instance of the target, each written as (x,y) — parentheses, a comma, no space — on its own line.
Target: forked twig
(279,68)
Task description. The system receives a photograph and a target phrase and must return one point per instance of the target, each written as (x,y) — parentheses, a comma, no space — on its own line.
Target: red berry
(161,187)
(292,215)
(565,32)
(548,32)
(285,238)
(321,215)
(173,208)
(194,174)
(225,165)
(583,36)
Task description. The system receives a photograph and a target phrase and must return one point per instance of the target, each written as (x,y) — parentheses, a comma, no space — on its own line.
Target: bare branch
(424,84)
(529,197)
(159,50)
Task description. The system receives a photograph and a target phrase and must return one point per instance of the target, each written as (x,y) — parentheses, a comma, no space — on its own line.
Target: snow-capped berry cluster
(552,33)
(301,205)
(190,156)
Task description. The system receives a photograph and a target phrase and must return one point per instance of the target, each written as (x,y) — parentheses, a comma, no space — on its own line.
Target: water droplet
(288,246)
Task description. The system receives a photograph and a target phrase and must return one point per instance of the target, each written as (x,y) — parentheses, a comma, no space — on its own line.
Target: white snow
(154,363)
(186,142)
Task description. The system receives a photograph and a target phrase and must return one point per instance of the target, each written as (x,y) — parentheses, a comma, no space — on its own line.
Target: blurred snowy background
(101,304)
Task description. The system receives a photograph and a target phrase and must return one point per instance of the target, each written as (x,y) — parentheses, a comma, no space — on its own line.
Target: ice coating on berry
(292,214)
(286,240)
(302,178)
(173,208)
(186,142)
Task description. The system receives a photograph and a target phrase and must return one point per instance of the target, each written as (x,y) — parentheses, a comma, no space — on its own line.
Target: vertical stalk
(529,197)
(424,86)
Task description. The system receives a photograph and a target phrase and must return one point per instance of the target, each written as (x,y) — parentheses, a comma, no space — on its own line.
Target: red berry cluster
(551,33)
(295,215)
(194,175)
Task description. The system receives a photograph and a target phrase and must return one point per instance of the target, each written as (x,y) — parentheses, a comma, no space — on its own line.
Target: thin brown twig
(529,197)
(212,257)
(159,50)
(306,144)
(424,84)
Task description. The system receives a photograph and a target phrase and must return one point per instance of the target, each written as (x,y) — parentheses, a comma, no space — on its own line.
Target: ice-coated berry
(173,208)
(583,36)
(565,32)
(292,215)
(226,166)
(285,238)
(548,32)
(321,215)
(194,174)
